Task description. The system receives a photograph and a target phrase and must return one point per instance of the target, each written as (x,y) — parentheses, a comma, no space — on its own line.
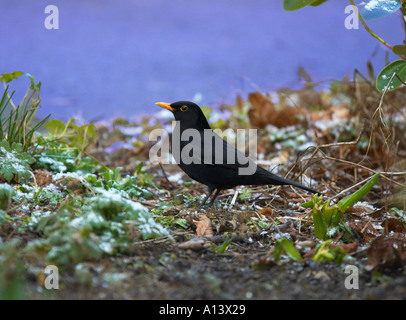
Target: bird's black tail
(296,184)
(276,180)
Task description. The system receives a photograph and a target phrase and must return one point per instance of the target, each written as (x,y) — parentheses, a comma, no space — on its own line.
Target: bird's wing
(209,148)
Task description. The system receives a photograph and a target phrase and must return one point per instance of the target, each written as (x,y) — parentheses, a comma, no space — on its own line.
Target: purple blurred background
(117,58)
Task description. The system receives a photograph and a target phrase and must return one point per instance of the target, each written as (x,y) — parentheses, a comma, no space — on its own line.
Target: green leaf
(399,50)
(348,202)
(287,246)
(330,214)
(33,85)
(14,161)
(7,77)
(292,5)
(398,67)
(223,247)
(57,127)
(326,252)
(320,227)
(399,212)
(317,3)
(6,192)
(311,203)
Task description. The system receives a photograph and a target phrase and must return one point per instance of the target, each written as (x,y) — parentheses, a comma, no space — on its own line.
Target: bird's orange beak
(165,106)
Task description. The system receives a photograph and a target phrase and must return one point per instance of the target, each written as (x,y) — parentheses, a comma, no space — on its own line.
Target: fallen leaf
(264,264)
(43,177)
(268,212)
(203,227)
(382,254)
(364,229)
(221,228)
(395,225)
(263,112)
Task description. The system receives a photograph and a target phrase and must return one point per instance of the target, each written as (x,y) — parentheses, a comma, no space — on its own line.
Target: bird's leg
(214,197)
(207,197)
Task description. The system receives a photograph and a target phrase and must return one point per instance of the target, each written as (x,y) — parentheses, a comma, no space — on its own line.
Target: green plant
(82,229)
(14,162)
(327,218)
(18,124)
(71,135)
(6,193)
(394,74)
(223,247)
(327,252)
(284,245)
(135,186)
(12,271)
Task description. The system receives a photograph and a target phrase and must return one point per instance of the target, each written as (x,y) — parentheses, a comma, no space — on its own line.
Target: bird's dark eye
(183,108)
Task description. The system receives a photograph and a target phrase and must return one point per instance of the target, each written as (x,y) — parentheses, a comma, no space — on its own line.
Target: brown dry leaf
(243,228)
(221,228)
(234,223)
(287,116)
(265,263)
(239,103)
(360,209)
(364,229)
(262,110)
(395,225)
(382,254)
(268,212)
(43,177)
(165,183)
(349,247)
(203,227)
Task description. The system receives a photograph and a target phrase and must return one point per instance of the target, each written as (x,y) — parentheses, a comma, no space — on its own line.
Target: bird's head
(187,113)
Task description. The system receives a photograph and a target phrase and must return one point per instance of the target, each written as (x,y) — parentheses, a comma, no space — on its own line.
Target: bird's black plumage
(205,157)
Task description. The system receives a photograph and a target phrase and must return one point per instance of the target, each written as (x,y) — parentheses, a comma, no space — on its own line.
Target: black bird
(210,160)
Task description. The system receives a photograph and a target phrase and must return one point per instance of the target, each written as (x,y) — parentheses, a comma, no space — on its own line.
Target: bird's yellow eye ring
(183,108)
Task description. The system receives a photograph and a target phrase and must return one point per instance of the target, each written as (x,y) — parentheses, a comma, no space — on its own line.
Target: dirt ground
(161,270)
(184,266)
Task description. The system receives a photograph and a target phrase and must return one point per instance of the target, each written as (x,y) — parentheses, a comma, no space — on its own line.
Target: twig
(365,168)
(366,225)
(24,202)
(233,200)
(348,189)
(166,177)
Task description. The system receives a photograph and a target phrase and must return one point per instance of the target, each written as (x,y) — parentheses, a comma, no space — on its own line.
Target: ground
(163,271)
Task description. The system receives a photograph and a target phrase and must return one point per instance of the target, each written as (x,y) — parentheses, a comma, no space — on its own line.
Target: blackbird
(205,157)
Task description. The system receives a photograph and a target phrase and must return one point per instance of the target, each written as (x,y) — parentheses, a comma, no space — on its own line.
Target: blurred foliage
(394,74)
